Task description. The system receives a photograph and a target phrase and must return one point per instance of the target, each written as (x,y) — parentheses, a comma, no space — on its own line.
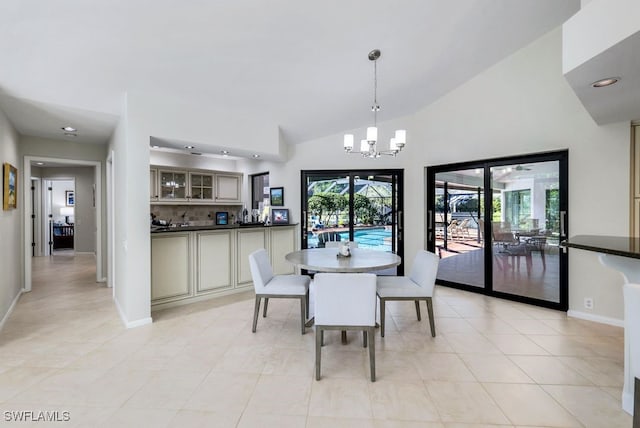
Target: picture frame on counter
(276,196)
(279,216)
(222,218)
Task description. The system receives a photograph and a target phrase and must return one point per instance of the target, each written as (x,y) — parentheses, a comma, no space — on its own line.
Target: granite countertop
(616,245)
(162,229)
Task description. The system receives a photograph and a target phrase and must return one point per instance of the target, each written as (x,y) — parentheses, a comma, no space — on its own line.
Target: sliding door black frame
(397,214)
(562,157)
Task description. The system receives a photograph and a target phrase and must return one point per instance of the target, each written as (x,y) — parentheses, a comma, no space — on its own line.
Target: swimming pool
(377,238)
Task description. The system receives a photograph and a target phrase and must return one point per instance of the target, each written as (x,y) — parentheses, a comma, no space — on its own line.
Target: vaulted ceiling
(301,65)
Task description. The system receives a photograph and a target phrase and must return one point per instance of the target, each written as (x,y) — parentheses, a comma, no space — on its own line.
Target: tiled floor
(493,363)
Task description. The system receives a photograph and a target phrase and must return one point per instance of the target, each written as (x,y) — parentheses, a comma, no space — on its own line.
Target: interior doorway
(85,197)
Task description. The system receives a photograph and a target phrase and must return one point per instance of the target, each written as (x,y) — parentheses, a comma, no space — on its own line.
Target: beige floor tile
(18,379)
(226,393)
(251,420)
(530,405)
(289,361)
(563,345)
(280,395)
(335,362)
(464,402)
(471,343)
(169,391)
(337,422)
(600,371)
(549,370)
(421,343)
(494,368)
(443,367)
(490,325)
(515,344)
(392,365)
(341,398)
(459,425)
(202,419)
(531,326)
(407,424)
(615,393)
(454,325)
(142,418)
(244,359)
(396,400)
(590,405)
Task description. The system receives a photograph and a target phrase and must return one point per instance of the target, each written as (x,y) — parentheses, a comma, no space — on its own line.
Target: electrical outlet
(588,302)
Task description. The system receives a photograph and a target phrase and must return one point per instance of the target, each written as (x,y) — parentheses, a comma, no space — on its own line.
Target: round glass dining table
(327,260)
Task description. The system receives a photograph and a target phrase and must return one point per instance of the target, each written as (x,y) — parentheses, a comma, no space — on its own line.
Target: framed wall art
(10,187)
(279,216)
(276,196)
(70,198)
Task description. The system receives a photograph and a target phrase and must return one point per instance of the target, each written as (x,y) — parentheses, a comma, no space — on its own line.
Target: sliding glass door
(508,246)
(364,206)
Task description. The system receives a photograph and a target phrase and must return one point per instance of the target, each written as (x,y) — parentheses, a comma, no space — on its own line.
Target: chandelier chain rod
(375,93)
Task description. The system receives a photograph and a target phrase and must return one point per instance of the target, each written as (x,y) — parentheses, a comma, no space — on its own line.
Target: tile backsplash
(196,215)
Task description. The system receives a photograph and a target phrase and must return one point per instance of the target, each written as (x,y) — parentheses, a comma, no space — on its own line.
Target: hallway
(493,362)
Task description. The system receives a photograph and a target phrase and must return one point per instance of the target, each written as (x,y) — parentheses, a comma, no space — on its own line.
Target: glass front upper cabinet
(173,185)
(201,186)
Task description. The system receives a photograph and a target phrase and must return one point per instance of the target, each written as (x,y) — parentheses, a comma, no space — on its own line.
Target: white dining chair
(419,285)
(345,301)
(267,285)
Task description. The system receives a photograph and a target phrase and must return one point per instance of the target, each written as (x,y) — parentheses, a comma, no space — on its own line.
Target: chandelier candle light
(368,147)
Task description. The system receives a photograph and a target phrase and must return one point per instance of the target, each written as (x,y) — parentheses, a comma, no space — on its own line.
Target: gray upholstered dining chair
(345,301)
(267,285)
(419,285)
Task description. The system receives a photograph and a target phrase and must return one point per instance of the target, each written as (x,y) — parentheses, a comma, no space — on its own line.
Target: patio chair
(325,237)
(336,244)
(268,285)
(345,301)
(419,285)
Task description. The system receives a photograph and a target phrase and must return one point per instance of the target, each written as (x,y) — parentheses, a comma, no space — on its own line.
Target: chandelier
(368,146)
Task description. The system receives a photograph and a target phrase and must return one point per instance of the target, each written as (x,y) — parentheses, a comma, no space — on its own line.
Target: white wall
(10,225)
(521,105)
(58,198)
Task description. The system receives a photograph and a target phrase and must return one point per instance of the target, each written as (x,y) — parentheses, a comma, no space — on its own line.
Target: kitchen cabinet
(190,266)
(228,188)
(173,185)
(170,266)
(215,250)
(153,184)
(201,186)
(169,186)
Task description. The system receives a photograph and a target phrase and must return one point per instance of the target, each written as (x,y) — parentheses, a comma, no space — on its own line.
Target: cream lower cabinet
(214,250)
(191,266)
(282,241)
(170,266)
(249,240)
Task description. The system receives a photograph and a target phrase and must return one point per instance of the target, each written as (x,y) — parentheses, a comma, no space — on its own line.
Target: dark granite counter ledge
(615,245)
(164,229)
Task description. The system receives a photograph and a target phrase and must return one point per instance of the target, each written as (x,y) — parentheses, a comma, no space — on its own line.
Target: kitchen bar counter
(162,229)
(622,253)
(614,245)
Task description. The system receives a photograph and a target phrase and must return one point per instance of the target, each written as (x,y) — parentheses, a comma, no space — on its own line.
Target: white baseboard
(596,318)
(10,310)
(103,279)
(131,324)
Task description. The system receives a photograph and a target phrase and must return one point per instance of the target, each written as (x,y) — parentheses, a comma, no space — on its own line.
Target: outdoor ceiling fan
(522,168)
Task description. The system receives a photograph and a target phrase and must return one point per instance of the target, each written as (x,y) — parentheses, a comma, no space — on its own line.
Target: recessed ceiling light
(256,156)
(224,152)
(189,147)
(39,163)
(70,134)
(605,82)
(68,129)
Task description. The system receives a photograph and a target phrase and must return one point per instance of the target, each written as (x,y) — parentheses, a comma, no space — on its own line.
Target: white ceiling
(302,65)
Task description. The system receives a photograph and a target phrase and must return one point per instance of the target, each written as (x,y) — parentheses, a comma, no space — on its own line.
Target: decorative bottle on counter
(245,215)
